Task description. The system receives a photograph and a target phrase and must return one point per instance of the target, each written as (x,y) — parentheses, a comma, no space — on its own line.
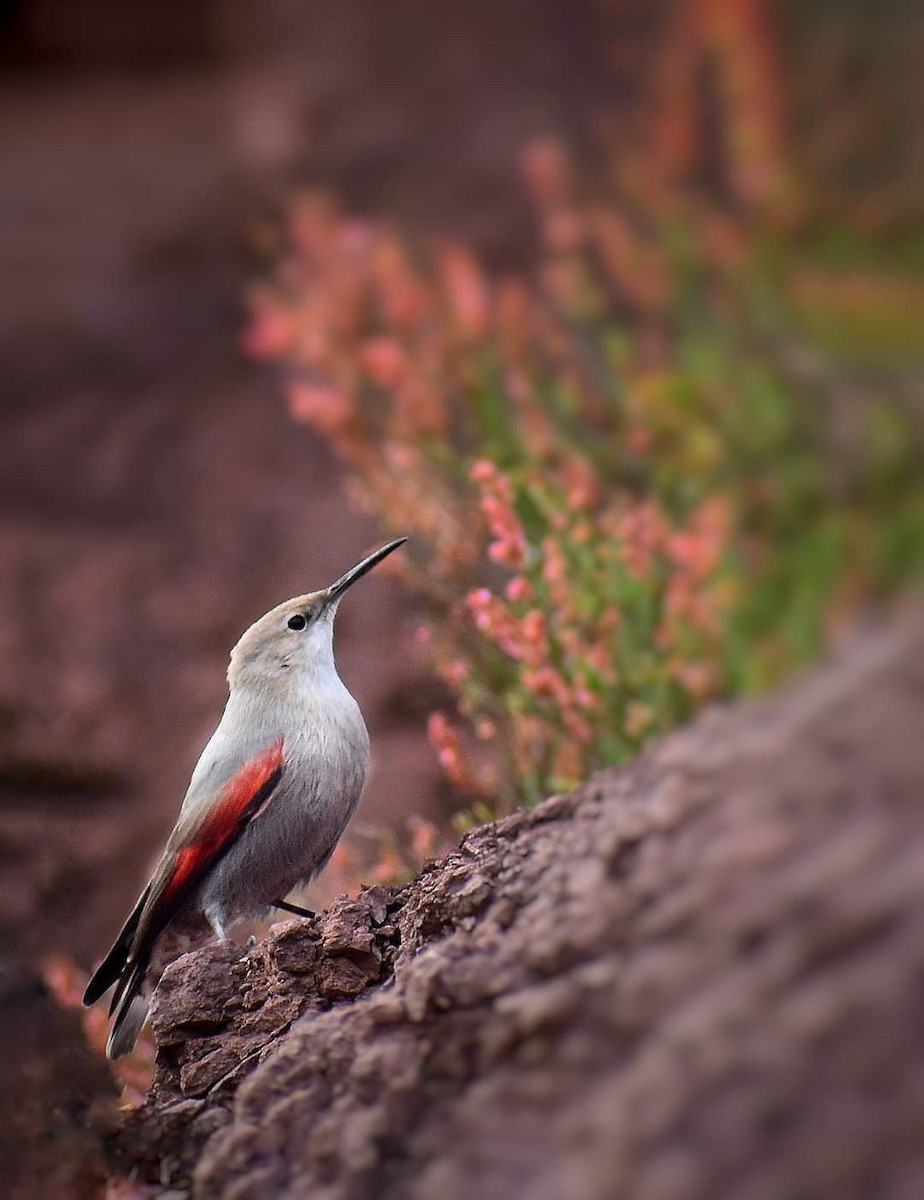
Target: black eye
(297,622)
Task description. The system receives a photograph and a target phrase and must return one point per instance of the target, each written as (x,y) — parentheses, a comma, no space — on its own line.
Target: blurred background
(614,305)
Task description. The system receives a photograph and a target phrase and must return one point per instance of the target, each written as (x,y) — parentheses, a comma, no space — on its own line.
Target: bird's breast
(326,738)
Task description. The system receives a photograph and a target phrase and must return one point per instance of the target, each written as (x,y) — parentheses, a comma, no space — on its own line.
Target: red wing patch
(239,800)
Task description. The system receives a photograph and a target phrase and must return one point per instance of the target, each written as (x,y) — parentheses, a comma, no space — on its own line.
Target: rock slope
(699,976)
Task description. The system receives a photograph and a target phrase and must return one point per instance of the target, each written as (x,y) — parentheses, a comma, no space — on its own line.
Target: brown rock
(698,977)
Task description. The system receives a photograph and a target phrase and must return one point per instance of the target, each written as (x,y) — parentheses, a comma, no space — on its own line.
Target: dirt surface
(699,976)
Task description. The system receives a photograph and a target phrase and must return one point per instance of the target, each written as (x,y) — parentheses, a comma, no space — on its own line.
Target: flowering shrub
(619,478)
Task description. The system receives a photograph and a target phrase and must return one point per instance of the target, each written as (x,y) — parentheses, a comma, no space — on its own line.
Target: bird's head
(296,637)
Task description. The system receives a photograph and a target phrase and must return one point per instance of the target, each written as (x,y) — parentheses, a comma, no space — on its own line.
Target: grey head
(296,637)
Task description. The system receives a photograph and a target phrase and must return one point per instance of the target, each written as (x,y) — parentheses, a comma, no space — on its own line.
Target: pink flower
(534,626)
(447,742)
(466,290)
(268,334)
(327,409)
(483,607)
(456,672)
(384,361)
(424,838)
(641,531)
(509,545)
(545,681)
(483,471)
(518,589)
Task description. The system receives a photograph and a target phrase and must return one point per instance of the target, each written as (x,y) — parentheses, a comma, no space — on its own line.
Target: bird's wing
(205,832)
(210,829)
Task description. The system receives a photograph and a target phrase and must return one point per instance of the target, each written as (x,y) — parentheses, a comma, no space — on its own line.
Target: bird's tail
(113,965)
(131,1009)
(125,965)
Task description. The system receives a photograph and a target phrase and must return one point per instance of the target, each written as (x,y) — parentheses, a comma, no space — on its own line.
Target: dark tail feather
(132,1008)
(125,965)
(115,962)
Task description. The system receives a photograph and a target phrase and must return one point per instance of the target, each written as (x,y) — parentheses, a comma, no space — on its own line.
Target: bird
(267,802)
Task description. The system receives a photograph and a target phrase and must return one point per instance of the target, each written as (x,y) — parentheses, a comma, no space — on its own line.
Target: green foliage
(615,518)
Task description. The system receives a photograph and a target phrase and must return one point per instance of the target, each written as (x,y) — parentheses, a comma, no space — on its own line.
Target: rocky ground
(698,976)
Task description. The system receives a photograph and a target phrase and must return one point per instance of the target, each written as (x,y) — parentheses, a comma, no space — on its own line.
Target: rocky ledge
(699,976)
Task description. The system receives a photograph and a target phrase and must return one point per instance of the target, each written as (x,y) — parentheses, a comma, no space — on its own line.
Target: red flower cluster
(509,545)
(446,740)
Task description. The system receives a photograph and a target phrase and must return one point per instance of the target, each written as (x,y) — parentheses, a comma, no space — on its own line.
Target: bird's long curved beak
(336,590)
